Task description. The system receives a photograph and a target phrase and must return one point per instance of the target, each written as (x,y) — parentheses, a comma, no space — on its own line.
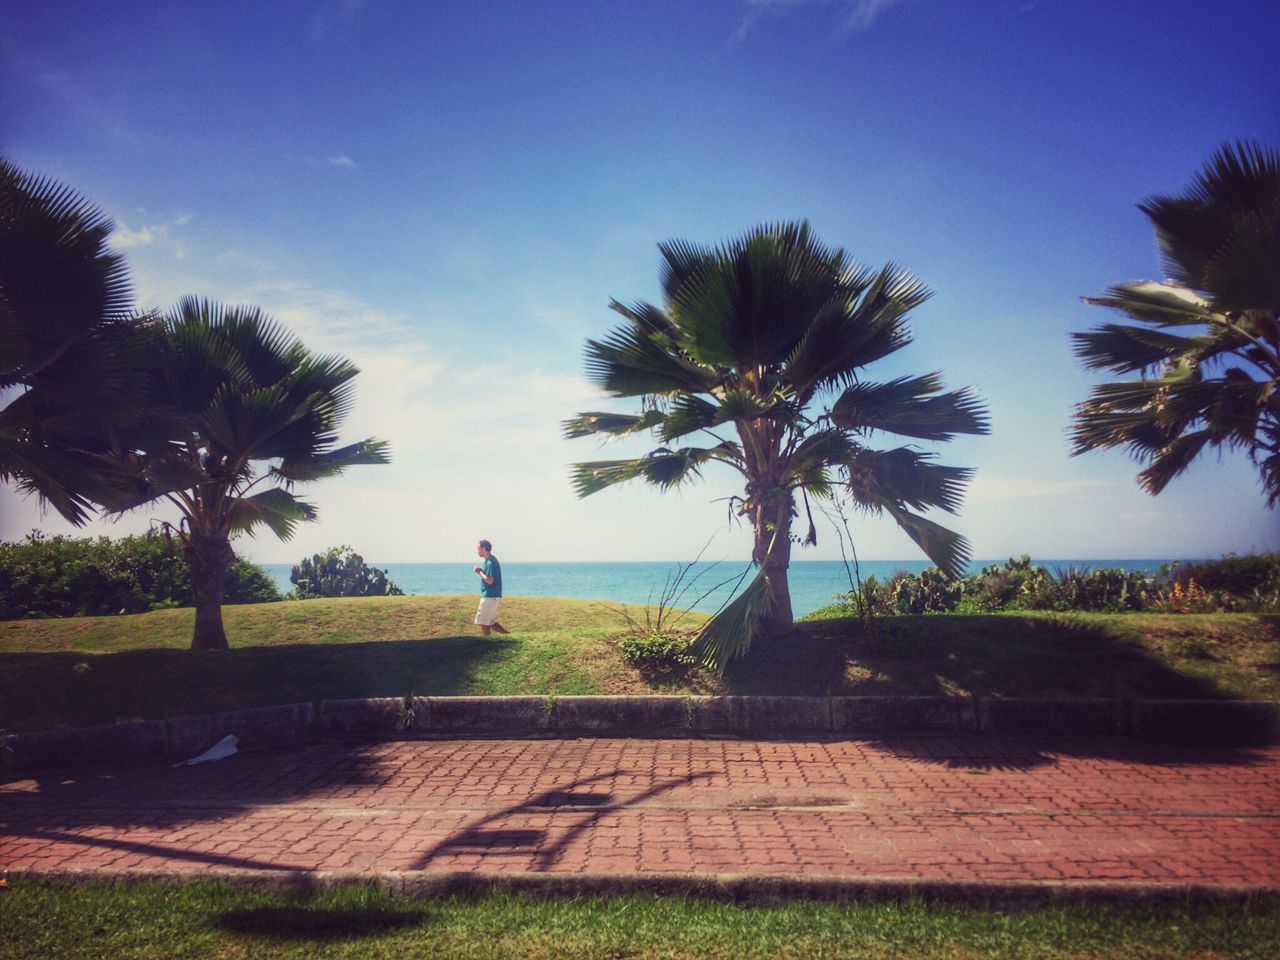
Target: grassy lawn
(216,920)
(106,669)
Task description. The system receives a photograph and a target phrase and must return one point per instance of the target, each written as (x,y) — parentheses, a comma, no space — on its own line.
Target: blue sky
(450,193)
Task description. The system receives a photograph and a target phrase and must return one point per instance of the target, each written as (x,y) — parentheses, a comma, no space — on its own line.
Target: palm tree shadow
(303,923)
(591,805)
(995,656)
(38,690)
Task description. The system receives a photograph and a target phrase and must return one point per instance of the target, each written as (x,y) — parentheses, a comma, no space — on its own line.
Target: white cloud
(340,160)
(126,237)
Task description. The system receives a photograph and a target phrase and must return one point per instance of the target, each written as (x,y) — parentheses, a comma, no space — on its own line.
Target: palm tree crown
(241,412)
(753,335)
(68,342)
(1207,341)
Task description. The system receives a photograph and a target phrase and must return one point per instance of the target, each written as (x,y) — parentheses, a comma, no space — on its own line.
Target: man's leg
(499,627)
(488,629)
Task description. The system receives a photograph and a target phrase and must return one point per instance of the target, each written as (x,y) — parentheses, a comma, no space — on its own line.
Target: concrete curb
(732,888)
(1200,721)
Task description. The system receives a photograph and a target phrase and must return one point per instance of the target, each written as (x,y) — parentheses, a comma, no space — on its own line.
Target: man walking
(490,573)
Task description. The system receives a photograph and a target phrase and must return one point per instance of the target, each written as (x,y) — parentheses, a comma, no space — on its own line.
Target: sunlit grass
(42,919)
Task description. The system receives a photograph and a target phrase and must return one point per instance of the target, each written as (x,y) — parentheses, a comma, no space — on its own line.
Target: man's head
(484,548)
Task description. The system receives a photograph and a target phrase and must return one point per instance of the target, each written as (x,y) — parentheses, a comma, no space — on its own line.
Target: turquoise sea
(813,582)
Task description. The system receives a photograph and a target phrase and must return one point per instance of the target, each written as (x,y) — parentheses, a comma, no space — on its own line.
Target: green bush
(60,576)
(1244,584)
(658,654)
(340,572)
(1241,576)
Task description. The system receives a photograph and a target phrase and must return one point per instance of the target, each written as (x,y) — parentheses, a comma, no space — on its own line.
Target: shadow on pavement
(590,804)
(993,752)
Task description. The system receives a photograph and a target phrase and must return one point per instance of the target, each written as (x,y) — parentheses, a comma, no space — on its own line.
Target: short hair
(487,545)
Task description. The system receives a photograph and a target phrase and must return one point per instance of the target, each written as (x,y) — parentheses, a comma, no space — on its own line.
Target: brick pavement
(954,808)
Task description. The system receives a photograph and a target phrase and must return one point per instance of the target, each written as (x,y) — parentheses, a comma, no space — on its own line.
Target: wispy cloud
(850,15)
(126,237)
(83,101)
(340,160)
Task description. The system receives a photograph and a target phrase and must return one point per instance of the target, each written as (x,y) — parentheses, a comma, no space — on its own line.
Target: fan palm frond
(911,407)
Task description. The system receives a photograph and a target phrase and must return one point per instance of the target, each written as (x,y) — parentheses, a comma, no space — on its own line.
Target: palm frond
(905,478)
(629,363)
(663,467)
(1241,182)
(1172,459)
(865,324)
(611,424)
(647,318)
(1159,304)
(748,302)
(321,466)
(907,406)
(949,551)
(1125,349)
(277,509)
(730,633)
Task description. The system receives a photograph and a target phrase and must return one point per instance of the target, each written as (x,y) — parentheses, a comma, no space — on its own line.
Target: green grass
(49,919)
(92,670)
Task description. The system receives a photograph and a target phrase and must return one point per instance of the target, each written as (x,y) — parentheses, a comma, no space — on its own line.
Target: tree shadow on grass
(315,923)
(993,656)
(1054,657)
(41,691)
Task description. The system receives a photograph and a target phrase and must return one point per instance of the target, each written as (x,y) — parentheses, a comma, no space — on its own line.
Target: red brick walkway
(933,808)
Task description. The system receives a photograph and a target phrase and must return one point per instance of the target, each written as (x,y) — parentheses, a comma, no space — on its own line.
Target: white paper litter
(223,748)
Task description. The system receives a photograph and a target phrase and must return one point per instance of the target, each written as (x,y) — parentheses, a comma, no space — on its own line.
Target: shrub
(340,572)
(659,655)
(60,576)
(1017,584)
(1241,576)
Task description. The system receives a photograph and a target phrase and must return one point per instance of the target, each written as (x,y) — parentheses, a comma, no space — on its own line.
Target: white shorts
(487,612)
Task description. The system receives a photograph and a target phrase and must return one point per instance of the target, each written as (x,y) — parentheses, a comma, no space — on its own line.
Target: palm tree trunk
(773,553)
(208,557)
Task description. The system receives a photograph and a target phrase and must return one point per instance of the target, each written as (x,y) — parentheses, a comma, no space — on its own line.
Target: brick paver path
(955,807)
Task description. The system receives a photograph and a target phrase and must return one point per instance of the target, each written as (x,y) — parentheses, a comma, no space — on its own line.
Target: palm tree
(240,412)
(1207,342)
(755,334)
(69,343)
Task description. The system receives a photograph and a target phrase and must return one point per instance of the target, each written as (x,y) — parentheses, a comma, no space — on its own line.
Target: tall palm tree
(755,335)
(69,345)
(240,412)
(1207,342)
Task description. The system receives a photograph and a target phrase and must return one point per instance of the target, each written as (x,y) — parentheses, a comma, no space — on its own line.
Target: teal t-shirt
(491,568)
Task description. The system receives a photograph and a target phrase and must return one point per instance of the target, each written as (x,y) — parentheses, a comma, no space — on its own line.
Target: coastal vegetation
(1233,583)
(45,918)
(88,670)
(42,576)
(340,572)
(769,336)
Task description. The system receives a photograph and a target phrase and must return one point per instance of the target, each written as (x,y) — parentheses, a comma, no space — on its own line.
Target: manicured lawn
(42,919)
(106,669)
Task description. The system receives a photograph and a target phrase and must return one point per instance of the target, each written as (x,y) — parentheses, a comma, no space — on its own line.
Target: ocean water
(813,582)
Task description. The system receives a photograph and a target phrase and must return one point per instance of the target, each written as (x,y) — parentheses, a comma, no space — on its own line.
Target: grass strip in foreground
(211,919)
